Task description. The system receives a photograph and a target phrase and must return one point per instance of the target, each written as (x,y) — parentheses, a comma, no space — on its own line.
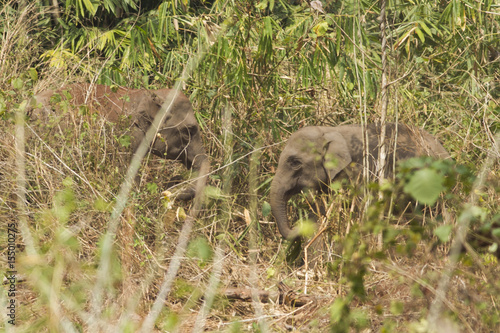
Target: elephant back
(412,142)
(402,142)
(94,98)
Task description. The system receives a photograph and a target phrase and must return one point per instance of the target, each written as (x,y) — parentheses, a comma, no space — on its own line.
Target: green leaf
(403,38)
(67,182)
(336,186)
(103,206)
(425,186)
(17,83)
(360,319)
(152,188)
(64,204)
(341,71)
(33,74)
(235,327)
(170,322)
(307,228)
(125,141)
(473,212)
(425,28)
(66,237)
(213,192)
(331,162)
(262,5)
(271,272)
(200,249)
(338,39)
(420,35)
(396,308)
(339,310)
(181,214)
(443,232)
(266,209)
(90,7)
(321,28)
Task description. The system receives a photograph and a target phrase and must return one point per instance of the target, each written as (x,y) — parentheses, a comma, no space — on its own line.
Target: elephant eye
(192,129)
(188,132)
(294,163)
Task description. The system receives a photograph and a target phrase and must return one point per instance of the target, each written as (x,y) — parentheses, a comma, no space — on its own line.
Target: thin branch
(384,97)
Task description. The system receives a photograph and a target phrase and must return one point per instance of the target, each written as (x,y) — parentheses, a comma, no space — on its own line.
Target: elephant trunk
(279,199)
(195,160)
(202,165)
(201,168)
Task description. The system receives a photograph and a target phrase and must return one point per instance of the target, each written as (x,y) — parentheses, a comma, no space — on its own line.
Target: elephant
(178,136)
(317,155)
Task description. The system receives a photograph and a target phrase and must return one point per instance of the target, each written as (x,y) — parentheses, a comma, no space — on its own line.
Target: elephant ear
(336,154)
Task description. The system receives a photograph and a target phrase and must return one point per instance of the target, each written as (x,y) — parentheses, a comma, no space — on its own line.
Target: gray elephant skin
(315,156)
(178,136)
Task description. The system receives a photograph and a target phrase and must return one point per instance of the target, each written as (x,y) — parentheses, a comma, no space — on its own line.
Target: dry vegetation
(73,175)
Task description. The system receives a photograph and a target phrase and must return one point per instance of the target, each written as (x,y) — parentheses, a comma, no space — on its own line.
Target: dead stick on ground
(284,296)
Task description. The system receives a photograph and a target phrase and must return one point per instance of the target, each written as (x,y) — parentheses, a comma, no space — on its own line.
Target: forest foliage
(267,68)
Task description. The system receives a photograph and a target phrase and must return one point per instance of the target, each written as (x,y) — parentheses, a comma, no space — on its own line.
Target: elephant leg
(185,194)
(309,252)
(175,180)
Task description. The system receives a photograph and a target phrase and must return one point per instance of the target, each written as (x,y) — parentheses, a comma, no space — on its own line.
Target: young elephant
(178,135)
(315,156)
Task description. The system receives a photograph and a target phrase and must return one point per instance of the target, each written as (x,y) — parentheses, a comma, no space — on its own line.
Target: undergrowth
(359,281)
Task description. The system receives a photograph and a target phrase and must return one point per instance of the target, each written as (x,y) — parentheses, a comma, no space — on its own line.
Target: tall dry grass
(62,185)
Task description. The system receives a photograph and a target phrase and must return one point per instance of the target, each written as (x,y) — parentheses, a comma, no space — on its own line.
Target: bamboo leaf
(321,28)
(425,28)
(262,5)
(90,7)
(338,41)
(403,38)
(420,34)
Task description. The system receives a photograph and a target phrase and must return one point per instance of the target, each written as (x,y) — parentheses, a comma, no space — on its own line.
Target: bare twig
(384,100)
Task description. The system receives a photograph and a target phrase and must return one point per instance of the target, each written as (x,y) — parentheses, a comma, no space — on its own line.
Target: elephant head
(316,155)
(178,136)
